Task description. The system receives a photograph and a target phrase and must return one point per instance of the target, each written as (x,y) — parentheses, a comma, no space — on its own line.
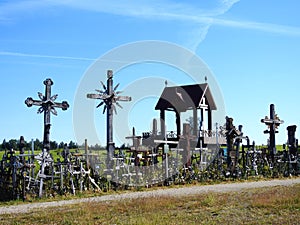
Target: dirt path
(193,190)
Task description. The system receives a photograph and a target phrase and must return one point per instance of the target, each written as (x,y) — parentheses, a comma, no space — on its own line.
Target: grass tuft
(274,205)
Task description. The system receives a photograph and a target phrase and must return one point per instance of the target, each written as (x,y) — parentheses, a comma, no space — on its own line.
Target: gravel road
(193,190)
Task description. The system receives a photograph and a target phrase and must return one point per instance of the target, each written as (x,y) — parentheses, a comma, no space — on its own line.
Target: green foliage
(38,145)
(72,145)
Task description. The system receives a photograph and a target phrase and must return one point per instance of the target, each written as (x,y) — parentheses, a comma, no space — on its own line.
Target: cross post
(186,139)
(273,123)
(47,106)
(109,97)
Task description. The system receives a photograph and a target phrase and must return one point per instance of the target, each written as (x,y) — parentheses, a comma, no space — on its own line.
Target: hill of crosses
(197,151)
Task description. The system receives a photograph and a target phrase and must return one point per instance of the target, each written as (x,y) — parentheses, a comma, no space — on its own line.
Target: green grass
(275,205)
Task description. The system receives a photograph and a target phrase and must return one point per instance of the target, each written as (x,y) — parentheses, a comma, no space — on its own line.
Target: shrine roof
(183,98)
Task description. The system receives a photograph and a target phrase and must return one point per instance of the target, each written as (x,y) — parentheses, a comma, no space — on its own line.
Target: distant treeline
(38,145)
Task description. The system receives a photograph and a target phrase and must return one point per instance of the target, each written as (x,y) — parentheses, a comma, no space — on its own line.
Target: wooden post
(87,160)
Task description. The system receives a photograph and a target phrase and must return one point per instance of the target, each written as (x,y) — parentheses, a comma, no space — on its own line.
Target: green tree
(28,145)
(13,144)
(72,145)
(61,145)
(38,145)
(53,145)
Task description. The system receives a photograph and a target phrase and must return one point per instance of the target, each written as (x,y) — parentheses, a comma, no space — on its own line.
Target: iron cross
(47,106)
(109,97)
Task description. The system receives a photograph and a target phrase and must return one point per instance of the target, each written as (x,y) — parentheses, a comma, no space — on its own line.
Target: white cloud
(154,9)
(265,27)
(189,11)
(18,54)
(39,56)
(200,15)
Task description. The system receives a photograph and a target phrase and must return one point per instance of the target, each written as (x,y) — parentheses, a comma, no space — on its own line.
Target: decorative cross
(273,123)
(109,97)
(47,106)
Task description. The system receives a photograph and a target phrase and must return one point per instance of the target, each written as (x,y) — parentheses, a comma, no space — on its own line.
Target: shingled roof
(183,98)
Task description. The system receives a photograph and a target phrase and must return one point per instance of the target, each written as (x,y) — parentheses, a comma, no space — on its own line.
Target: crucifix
(47,106)
(109,97)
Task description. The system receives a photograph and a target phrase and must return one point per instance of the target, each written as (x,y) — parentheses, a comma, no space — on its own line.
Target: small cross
(47,106)
(135,139)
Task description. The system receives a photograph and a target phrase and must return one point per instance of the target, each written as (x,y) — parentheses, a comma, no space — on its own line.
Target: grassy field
(276,205)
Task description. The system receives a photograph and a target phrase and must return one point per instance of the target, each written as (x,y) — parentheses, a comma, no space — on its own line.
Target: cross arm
(63,105)
(97,96)
(123,98)
(30,102)
(270,121)
(165,142)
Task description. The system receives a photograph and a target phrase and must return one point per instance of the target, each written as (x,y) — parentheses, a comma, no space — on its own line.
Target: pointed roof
(183,98)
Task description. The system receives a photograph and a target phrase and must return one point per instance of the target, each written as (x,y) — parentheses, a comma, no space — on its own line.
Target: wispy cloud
(56,57)
(201,15)
(154,9)
(189,11)
(18,54)
(265,27)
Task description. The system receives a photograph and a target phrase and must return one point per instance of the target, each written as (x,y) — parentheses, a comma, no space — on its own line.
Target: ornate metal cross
(47,106)
(109,97)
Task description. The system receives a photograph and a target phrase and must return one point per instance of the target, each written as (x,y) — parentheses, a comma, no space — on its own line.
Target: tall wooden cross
(186,139)
(47,106)
(109,97)
(273,123)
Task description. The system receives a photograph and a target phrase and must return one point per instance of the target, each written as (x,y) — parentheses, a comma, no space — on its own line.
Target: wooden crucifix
(109,97)
(47,106)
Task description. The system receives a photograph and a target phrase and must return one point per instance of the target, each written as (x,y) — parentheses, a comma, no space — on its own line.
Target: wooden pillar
(86,148)
(187,138)
(86,151)
(203,118)
(178,126)
(195,121)
(162,123)
(209,119)
(205,108)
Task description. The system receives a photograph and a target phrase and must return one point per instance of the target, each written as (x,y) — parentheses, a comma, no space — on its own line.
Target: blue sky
(251,47)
